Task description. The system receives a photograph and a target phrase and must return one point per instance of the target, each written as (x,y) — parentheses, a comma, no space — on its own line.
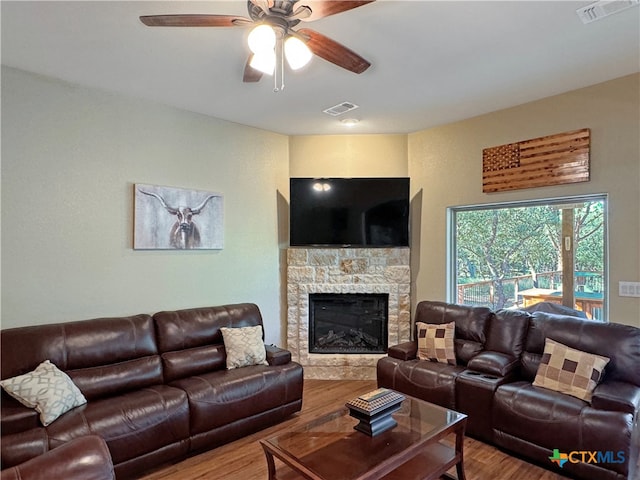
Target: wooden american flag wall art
(540,162)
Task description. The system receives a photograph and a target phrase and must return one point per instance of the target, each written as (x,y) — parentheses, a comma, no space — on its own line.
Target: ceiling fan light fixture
(264,62)
(262,39)
(296,52)
(272,23)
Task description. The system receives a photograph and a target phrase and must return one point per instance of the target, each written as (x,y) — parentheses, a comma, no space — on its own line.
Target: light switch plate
(629,289)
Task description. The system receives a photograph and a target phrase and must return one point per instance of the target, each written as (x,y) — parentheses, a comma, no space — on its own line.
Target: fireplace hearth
(348,323)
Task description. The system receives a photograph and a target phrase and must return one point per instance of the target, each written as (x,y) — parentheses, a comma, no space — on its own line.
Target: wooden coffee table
(329,448)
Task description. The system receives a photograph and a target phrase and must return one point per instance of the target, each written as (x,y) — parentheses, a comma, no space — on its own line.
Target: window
(520,254)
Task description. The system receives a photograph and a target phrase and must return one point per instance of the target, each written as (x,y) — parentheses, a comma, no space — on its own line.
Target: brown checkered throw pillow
(569,371)
(435,342)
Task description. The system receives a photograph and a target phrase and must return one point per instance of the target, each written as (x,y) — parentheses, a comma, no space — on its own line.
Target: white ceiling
(433,62)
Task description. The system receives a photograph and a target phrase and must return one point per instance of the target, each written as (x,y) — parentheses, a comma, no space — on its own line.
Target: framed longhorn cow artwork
(171,218)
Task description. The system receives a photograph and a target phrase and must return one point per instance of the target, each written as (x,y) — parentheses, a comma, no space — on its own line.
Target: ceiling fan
(273,37)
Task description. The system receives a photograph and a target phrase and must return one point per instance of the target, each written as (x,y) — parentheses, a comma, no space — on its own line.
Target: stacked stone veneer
(345,270)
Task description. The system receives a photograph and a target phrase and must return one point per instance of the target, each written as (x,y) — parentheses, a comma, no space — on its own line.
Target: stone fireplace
(369,286)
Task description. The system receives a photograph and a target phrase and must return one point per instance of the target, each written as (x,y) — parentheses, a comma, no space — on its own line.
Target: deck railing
(483,293)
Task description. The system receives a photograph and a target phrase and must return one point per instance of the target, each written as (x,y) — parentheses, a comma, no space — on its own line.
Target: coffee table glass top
(331,440)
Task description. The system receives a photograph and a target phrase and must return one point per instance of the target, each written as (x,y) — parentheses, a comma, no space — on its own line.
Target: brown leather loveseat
(157,387)
(497,358)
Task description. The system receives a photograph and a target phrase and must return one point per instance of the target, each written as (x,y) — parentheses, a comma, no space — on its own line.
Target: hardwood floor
(244,459)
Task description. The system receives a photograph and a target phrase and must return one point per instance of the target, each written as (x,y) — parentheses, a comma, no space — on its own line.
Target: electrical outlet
(629,289)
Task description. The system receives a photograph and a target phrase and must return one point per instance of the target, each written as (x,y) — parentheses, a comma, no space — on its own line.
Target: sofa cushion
(435,342)
(570,371)
(507,331)
(190,340)
(192,361)
(224,396)
(197,327)
(244,346)
(133,424)
(47,389)
(107,380)
(103,356)
(537,415)
(429,381)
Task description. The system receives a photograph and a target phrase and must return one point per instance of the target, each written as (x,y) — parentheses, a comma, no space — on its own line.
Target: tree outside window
(515,255)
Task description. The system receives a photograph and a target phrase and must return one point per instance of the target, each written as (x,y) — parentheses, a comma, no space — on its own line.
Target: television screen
(353,212)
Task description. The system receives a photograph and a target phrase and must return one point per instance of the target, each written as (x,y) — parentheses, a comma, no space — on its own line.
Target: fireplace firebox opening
(348,322)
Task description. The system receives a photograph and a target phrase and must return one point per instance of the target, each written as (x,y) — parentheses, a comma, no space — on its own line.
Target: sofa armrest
(404,351)
(277,356)
(616,396)
(494,363)
(84,458)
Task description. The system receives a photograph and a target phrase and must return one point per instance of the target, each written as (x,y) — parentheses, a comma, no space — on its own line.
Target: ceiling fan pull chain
(279,70)
(275,80)
(282,63)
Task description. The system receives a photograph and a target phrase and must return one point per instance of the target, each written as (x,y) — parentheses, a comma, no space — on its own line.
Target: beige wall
(445,166)
(348,156)
(70,157)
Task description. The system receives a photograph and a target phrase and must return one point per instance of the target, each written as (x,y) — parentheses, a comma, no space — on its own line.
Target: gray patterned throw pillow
(47,389)
(244,346)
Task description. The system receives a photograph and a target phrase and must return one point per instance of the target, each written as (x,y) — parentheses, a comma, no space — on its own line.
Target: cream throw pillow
(570,371)
(435,342)
(47,389)
(244,346)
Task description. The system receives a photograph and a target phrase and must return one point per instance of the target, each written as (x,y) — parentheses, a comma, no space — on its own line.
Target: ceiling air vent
(604,8)
(341,108)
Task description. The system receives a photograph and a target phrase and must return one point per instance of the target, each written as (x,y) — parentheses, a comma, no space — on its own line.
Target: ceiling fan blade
(251,75)
(321,9)
(194,20)
(333,52)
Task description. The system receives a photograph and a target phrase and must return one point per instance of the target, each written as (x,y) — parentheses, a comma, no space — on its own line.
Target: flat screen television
(349,212)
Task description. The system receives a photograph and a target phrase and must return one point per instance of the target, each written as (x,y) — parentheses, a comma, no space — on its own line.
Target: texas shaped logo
(559,458)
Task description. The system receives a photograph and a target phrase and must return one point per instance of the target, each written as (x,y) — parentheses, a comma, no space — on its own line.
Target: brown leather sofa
(498,354)
(157,387)
(84,458)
